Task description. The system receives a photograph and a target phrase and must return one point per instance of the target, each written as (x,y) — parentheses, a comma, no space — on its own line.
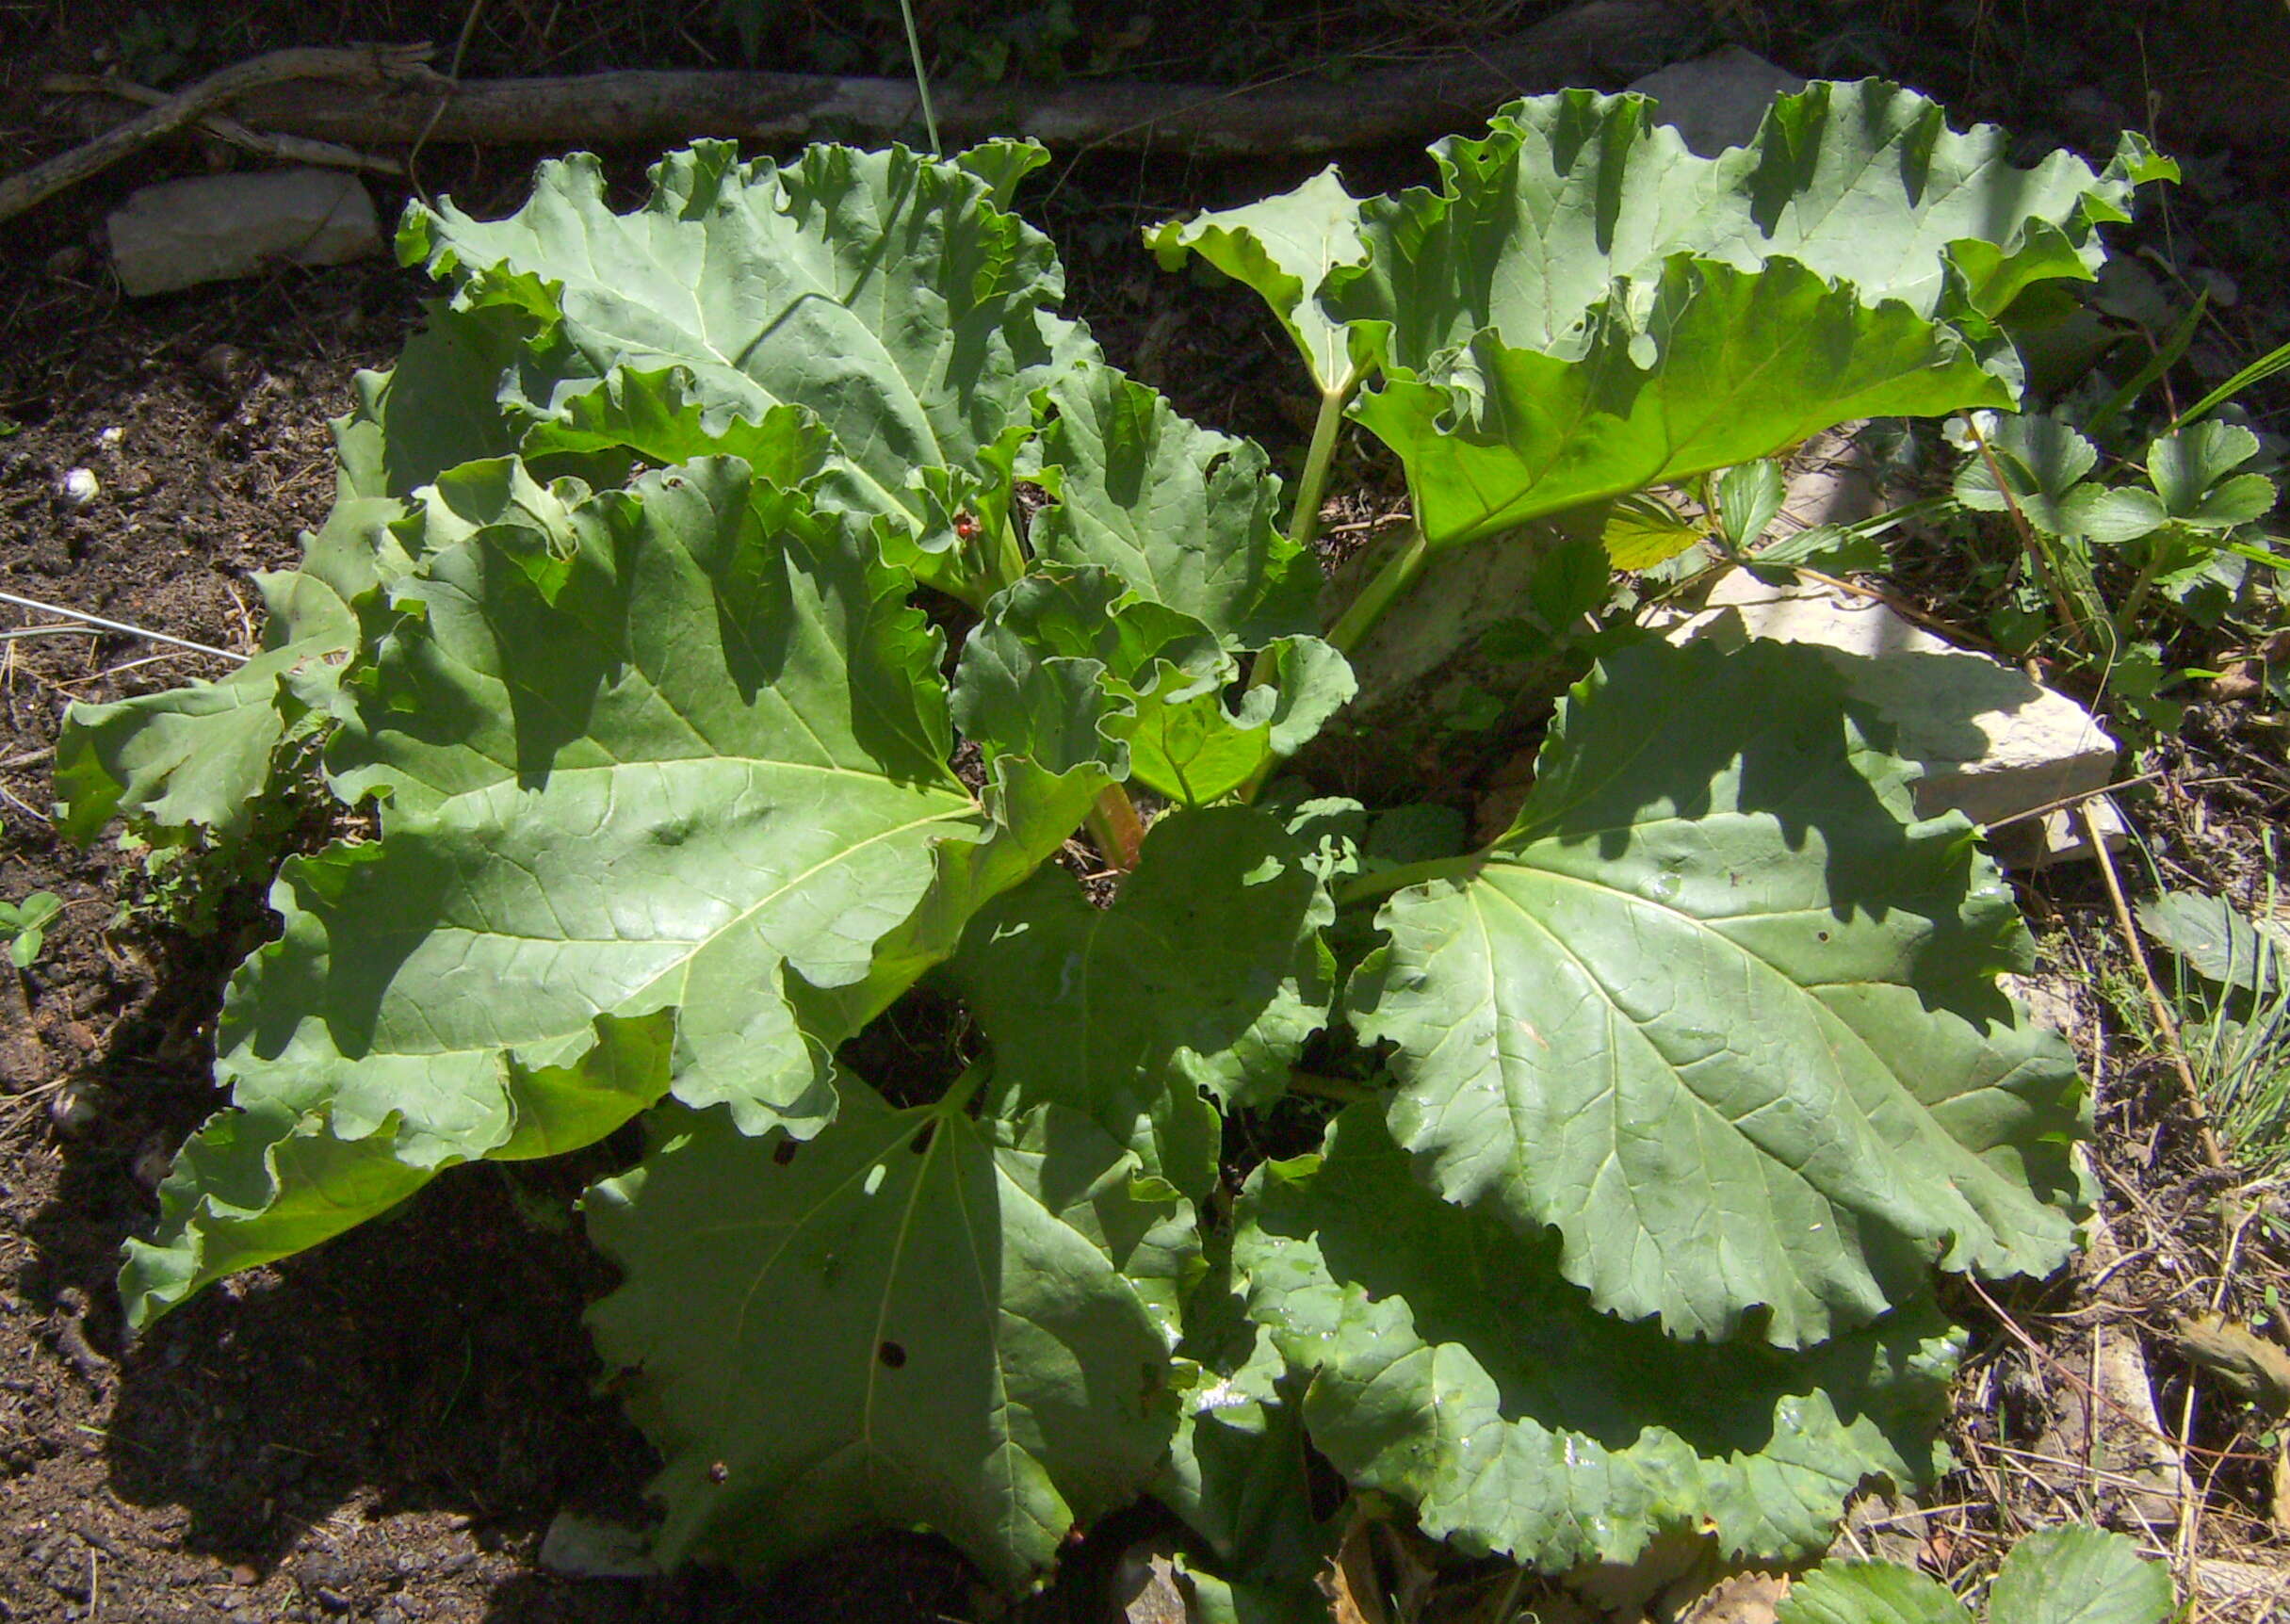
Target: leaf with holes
(974,1355)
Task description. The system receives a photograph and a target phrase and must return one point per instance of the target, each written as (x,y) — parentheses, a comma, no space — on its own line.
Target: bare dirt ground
(383,1430)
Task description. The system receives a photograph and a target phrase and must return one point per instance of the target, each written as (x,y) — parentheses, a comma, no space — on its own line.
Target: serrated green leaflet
(1870,1593)
(885,292)
(1457,1371)
(973,1357)
(2077,1575)
(1207,973)
(1714,1010)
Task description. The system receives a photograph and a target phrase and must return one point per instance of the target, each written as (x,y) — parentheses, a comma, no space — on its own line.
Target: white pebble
(109,439)
(75,1110)
(81,487)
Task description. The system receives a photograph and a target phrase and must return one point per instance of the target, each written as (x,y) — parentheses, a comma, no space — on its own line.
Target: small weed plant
(23,926)
(1661,1115)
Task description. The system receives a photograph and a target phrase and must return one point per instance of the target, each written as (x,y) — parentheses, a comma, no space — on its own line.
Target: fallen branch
(374,67)
(1602,42)
(282,149)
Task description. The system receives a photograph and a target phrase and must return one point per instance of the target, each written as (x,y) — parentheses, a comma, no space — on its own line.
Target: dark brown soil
(383,1429)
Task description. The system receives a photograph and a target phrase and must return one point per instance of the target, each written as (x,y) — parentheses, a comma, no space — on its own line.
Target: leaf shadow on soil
(390,1420)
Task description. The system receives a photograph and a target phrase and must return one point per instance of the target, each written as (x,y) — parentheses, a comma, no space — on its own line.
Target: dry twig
(375,66)
(282,149)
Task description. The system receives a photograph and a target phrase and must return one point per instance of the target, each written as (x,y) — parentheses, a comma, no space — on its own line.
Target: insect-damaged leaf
(1455,1370)
(668,750)
(1719,1013)
(973,1356)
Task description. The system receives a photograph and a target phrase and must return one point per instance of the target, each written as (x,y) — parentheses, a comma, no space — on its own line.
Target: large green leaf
(1718,1012)
(1864,184)
(886,292)
(1702,367)
(1207,973)
(913,1317)
(680,749)
(265,1182)
(1582,306)
(1455,1370)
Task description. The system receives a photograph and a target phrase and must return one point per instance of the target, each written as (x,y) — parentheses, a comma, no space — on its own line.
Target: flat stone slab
(1994,743)
(182,233)
(1718,101)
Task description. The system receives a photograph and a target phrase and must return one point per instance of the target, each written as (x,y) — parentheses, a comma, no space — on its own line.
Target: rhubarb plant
(733,608)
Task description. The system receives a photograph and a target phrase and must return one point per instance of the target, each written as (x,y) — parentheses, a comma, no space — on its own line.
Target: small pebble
(224,364)
(81,487)
(76,1108)
(152,1161)
(109,439)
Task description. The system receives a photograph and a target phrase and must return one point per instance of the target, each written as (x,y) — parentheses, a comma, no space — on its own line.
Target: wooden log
(1605,42)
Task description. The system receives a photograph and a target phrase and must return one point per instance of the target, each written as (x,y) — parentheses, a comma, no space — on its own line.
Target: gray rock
(1994,744)
(582,1548)
(1718,101)
(182,233)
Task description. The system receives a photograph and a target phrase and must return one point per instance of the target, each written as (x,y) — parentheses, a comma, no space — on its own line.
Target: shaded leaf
(2214,937)
(1205,973)
(1457,1371)
(1186,517)
(973,1358)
